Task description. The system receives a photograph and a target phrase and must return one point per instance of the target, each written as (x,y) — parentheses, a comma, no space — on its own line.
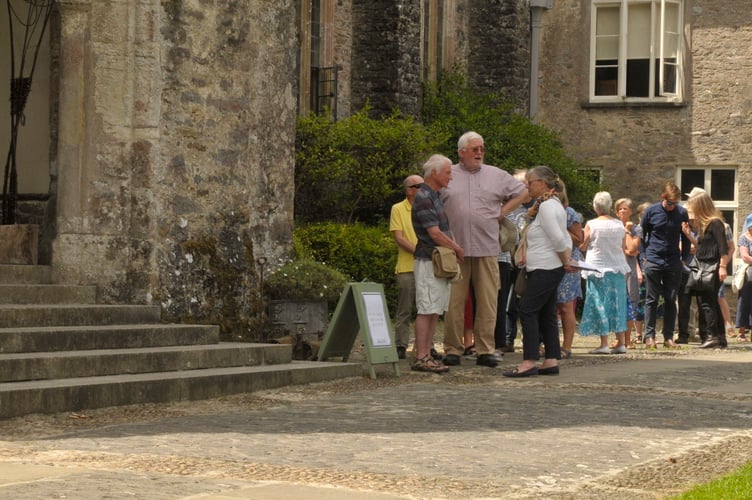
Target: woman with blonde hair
(633,235)
(711,248)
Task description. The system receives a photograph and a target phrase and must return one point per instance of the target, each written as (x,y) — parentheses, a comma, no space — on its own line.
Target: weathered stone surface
(176,158)
(19,244)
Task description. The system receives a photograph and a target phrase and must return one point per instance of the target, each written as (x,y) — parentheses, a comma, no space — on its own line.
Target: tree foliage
(352,169)
(453,106)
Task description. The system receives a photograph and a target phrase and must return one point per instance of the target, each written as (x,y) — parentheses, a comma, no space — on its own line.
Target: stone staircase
(61,351)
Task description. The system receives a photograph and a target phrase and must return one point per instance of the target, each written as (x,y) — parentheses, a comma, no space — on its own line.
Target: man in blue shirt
(666,248)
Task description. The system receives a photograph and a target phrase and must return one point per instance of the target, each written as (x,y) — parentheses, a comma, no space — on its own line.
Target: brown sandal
(428,364)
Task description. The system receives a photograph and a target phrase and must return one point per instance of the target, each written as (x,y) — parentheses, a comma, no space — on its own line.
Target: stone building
(166,162)
(646,91)
(158,147)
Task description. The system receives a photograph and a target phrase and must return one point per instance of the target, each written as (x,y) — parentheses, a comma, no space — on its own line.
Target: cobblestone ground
(641,425)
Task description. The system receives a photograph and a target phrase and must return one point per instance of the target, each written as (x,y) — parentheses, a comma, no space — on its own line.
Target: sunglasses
(671,203)
(414,186)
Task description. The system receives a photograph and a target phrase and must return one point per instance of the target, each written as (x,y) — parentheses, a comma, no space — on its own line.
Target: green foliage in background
(365,253)
(352,169)
(453,106)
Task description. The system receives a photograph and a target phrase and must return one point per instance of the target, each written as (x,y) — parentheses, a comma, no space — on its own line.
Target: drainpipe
(536,12)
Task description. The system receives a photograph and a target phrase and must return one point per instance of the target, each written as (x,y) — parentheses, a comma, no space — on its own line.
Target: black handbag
(702,276)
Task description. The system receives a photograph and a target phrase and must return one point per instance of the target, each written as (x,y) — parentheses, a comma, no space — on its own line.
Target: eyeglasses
(530,181)
(414,186)
(476,149)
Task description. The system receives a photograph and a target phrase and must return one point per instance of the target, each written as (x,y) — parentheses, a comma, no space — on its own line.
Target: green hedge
(365,253)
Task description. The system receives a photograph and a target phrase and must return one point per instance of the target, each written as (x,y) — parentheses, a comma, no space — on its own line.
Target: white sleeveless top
(605,249)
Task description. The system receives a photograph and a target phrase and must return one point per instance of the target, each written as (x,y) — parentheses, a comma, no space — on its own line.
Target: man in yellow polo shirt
(401,227)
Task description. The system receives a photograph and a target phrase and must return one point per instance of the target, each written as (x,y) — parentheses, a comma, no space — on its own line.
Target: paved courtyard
(643,425)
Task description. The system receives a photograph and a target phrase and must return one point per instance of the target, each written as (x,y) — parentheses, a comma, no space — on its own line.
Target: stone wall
(386,55)
(498,47)
(176,152)
(640,147)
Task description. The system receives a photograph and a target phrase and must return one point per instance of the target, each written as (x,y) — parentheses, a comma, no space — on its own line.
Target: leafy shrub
(362,252)
(453,106)
(306,279)
(352,169)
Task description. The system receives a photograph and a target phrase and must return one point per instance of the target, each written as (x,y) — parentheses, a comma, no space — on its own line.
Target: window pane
(638,22)
(722,184)
(669,76)
(606,79)
(607,33)
(691,178)
(638,77)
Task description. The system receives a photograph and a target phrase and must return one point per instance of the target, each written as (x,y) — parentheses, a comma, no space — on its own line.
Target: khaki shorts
(431,293)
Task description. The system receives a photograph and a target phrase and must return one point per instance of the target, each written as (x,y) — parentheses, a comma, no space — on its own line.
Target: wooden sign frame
(361,309)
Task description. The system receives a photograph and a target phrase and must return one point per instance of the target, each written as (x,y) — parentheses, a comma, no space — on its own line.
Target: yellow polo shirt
(401,219)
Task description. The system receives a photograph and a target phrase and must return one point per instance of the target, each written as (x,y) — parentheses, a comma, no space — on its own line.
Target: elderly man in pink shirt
(477,198)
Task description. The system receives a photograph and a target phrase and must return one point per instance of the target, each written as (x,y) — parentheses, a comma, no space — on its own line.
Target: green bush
(362,252)
(306,279)
(453,106)
(352,169)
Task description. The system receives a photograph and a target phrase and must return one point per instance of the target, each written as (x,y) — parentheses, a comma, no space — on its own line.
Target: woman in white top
(549,251)
(605,308)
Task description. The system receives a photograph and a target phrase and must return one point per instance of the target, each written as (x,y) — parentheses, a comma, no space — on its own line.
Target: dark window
(692,178)
(722,184)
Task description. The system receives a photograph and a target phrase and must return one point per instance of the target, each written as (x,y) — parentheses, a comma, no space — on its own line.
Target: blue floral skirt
(605,309)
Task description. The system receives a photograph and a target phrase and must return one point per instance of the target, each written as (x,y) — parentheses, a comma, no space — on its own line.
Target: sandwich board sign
(361,309)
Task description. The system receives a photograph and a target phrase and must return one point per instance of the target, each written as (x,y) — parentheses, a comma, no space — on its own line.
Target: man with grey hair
(476,200)
(401,227)
(432,229)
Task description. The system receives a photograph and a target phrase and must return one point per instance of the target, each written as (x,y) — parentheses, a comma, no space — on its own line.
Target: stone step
(47,294)
(25,274)
(72,364)
(78,338)
(73,394)
(76,314)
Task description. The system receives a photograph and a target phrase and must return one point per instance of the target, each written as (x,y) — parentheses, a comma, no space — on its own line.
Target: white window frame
(723,205)
(656,50)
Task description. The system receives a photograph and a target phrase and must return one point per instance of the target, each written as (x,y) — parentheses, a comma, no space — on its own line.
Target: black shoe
(451,360)
(518,374)
(487,360)
(551,370)
(401,352)
(682,340)
(435,355)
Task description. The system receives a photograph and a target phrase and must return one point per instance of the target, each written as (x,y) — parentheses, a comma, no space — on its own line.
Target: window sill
(632,104)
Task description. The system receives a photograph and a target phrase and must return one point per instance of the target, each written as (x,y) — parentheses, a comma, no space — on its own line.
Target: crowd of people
(634,271)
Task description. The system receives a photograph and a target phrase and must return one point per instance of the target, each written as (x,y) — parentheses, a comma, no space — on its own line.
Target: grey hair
(434,164)
(602,203)
(467,137)
(547,175)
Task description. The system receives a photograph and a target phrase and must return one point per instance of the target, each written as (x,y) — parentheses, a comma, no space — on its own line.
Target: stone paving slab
(637,426)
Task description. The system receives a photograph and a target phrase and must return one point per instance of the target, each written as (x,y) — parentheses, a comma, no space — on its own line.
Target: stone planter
(303,317)
(19,244)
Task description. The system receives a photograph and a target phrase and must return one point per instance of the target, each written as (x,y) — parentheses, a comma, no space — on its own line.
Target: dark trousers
(684,301)
(710,312)
(661,281)
(500,332)
(537,310)
(512,307)
(744,307)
